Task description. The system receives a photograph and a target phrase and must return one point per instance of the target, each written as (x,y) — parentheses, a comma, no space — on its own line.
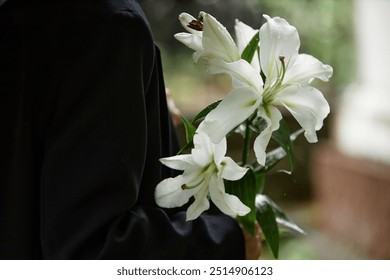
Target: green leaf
(190,129)
(265,216)
(281,217)
(251,48)
(275,156)
(186,147)
(260,182)
(245,189)
(258,125)
(295,135)
(202,114)
(282,136)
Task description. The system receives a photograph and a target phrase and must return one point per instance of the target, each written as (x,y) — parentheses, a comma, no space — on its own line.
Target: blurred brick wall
(353,196)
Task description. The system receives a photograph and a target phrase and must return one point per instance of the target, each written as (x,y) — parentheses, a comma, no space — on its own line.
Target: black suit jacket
(83,124)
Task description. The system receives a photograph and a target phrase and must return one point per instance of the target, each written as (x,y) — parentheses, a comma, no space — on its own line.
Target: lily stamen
(196,25)
(281,58)
(271,92)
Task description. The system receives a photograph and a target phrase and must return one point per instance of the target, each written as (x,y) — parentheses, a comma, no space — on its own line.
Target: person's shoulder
(128,15)
(101,10)
(126,10)
(130,8)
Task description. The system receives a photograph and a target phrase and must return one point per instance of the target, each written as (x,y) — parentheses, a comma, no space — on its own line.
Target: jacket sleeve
(101,150)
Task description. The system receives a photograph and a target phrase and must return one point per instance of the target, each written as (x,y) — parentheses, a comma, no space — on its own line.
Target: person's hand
(173,110)
(253,245)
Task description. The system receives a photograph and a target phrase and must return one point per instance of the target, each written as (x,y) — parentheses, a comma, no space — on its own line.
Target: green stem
(247,139)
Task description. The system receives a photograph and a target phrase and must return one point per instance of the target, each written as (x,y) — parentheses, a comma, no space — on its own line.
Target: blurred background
(339,192)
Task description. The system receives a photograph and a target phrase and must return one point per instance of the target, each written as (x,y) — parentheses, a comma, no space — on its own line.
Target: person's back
(84,122)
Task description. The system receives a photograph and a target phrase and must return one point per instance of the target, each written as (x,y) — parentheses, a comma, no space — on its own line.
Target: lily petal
(203,150)
(235,108)
(308,106)
(219,151)
(185,20)
(169,192)
(241,72)
(200,204)
(190,40)
(244,34)
(227,203)
(272,116)
(277,39)
(217,40)
(179,162)
(230,170)
(305,69)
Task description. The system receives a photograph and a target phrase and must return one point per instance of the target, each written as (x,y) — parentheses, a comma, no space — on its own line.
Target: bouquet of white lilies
(267,73)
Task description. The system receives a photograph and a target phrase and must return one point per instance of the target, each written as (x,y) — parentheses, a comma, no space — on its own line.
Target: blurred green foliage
(326,31)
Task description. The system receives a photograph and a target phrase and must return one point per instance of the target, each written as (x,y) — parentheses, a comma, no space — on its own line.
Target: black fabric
(83,123)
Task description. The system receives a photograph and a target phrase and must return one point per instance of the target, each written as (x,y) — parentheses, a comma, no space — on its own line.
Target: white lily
(244,34)
(193,39)
(204,171)
(288,75)
(208,37)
